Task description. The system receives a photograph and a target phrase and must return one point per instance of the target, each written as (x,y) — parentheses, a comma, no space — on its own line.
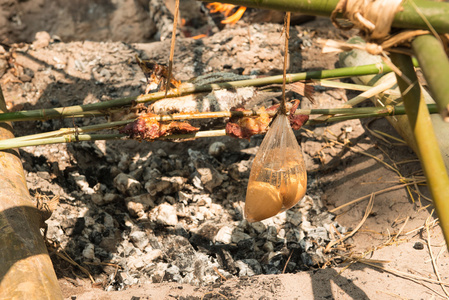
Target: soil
(95,62)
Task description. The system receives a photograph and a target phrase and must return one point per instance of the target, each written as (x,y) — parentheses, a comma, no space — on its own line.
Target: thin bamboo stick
(428,150)
(434,12)
(435,65)
(69,135)
(185,89)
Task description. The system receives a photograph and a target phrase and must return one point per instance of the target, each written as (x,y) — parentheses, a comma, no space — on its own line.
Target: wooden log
(26,271)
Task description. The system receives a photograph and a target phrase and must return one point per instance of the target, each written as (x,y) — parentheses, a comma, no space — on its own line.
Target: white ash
(182,218)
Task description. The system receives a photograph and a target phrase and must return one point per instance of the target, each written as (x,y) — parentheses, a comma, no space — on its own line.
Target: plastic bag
(278,177)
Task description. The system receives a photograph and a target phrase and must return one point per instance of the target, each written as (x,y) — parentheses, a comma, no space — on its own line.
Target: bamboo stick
(26,271)
(435,65)
(428,150)
(185,89)
(434,12)
(71,135)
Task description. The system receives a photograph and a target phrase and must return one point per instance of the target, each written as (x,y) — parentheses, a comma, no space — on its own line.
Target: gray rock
(108,221)
(294,217)
(166,215)
(159,272)
(238,235)
(127,185)
(248,267)
(111,197)
(137,173)
(180,252)
(138,205)
(294,235)
(139,239)
(152,255)
(305,244)
(135,263)
(209,176)
(239,170)
(151,173)
(172,274)
(161,153)
(224,235)
(166,185)
(319,233)
(258,227)
(124,162)
(216,149)
(82,183)
(89,251)
(97,199)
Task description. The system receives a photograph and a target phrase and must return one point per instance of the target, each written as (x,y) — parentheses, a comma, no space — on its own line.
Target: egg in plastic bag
(278,178)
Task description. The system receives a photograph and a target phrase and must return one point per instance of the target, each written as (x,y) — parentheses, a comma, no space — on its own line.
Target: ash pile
(179,217)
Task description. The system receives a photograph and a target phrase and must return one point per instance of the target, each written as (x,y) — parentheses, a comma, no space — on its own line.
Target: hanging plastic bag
(278,178)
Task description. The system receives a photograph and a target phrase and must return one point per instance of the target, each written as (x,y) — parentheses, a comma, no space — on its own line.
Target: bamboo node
(373,17)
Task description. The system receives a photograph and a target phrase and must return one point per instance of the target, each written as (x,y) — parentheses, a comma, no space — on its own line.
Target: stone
(111,197)
(138,205)
(248,267)
(159,272)
(166,185)
(172,274)
(135,262)
(152,255)
(166,215)
(88,221)
(139,239)
(42,40)
(258,227)
(209,176)
(127,185)
(294,235)
(216,149)
(239,170)
(160,152)
(319,234)
(150,173)
(137,173)
(89,251)
(98,199)
(182,254)
(294,217)
(82,183)
(238,235)
(108,221)
(224,235)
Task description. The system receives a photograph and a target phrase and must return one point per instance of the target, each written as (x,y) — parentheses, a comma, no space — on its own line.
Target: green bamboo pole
(400,122)
(435,65)
(428,150)
(26,271)
(435,12)
(84,110)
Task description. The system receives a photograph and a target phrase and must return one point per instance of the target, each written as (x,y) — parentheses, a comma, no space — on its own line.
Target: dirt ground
(91,65)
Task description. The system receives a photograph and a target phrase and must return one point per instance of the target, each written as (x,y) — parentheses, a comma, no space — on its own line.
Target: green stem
(435,65)
(427,144)
(185,89)
(435,12)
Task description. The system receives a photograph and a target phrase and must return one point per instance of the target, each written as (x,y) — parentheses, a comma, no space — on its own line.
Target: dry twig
(369,207)
(434,264)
